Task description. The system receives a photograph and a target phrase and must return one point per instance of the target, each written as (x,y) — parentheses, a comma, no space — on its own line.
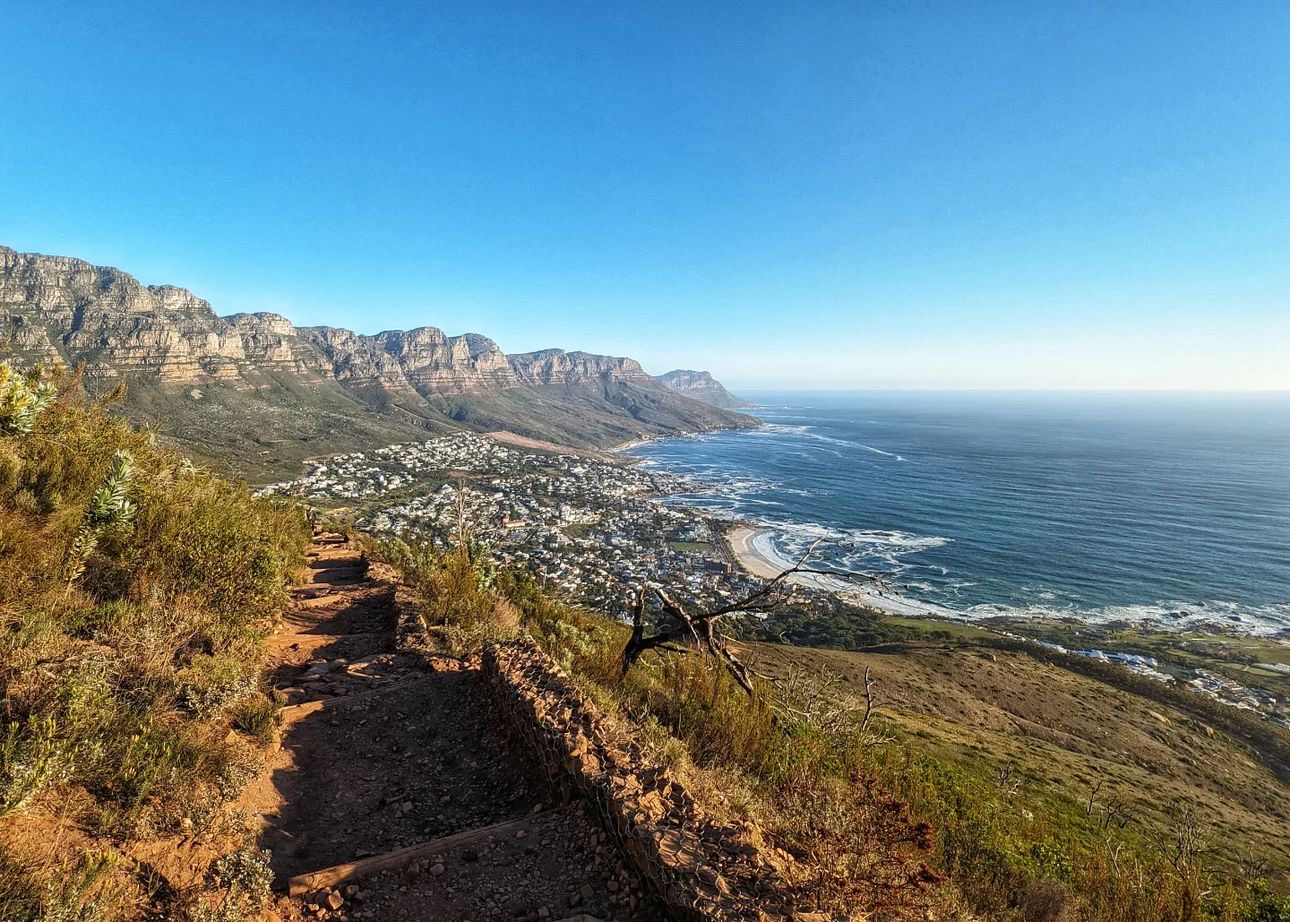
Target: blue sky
(854,194)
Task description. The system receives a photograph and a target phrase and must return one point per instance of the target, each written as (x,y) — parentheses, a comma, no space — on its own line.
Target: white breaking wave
(1261,620)
(856,550)
(881,553)
(879,451)
(810,433)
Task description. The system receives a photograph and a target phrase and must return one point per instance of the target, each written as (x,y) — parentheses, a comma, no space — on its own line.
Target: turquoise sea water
(1167,507)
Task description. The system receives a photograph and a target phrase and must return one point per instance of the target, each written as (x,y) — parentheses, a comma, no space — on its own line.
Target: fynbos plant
(22,399)
(110,510)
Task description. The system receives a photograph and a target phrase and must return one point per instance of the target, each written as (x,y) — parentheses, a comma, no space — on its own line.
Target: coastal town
(591,527)
(595,527)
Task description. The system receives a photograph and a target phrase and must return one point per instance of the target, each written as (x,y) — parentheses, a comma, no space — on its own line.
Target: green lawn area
(691,547)
(954,628)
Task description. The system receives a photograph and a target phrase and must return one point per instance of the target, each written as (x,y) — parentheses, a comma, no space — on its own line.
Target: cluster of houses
(1204,681)
(1234,693)
(592,529)
(1143,665)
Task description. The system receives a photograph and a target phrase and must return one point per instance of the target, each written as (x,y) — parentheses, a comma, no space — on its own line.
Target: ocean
(1173,509)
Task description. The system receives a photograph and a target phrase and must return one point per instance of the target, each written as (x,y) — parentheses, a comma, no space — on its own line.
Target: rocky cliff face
(58,308)
(702,386)
(424,361)
(175,351)
(555,366)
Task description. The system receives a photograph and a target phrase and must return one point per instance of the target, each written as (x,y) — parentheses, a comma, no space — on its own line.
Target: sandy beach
(752,550)
(522,441)
(633,443)
(740,540)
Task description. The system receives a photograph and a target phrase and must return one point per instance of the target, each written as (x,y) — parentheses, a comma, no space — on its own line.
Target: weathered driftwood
(700,629)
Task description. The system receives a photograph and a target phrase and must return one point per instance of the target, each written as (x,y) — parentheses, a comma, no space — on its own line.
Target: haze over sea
(1168,507)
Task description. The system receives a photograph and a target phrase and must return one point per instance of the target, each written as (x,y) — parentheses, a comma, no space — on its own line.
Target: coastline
(749,546)
(753,423)
(632,443)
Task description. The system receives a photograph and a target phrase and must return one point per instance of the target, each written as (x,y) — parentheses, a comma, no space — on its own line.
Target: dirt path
(380,754)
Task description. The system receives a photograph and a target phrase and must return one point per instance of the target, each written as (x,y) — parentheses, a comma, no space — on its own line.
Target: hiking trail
(395,794)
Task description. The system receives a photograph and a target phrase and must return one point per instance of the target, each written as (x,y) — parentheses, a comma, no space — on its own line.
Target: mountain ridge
(231,384)
(700,385)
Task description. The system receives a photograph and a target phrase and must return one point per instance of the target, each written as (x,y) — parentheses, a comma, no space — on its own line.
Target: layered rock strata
(700,385)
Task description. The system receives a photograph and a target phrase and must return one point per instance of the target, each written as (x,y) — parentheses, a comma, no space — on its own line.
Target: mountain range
(256,393)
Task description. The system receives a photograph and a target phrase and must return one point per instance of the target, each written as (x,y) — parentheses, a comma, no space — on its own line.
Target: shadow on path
(381,754)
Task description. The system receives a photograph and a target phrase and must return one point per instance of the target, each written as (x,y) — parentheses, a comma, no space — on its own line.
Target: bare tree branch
(701,631)
(1097,786)
(868,701)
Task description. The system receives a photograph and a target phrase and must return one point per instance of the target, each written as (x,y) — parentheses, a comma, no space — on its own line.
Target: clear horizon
(1110,392)
(845,197)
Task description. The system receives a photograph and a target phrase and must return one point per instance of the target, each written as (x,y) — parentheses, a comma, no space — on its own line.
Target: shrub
(33,758)
(236,887)
(19,891)
(135,591)
(1265,906)
(68,894)
(259,715)
(211,683)
(22,398)
(456,592)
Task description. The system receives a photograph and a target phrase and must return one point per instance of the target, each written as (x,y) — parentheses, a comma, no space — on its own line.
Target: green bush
(236,887)
(456,593)
(22,398)
(259,715)
(210,684)
(1265,906)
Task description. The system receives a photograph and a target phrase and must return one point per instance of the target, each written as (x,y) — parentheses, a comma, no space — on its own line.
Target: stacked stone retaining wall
(702,869)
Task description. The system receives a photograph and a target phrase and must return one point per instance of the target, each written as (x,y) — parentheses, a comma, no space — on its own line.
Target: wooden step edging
(283,639)
(330,877)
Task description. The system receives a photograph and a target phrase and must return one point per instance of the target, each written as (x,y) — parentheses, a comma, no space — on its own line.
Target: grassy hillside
(264,435)
(1035,772)
(591,415)
(995,780)
(1030,788)
(134,592)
